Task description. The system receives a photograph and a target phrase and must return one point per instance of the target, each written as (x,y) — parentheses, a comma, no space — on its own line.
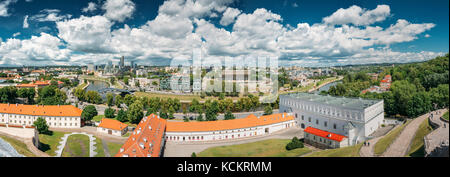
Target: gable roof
(325,134)
(41,110)
(146,139)
(112,124)
(249,121)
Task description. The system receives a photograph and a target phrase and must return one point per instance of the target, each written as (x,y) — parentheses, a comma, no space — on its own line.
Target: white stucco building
(112,127)
(60,116)
(228,129)
(354,118)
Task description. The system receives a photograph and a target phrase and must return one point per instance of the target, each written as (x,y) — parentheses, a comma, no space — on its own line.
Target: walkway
(368,151)
(438,136)
(401,144)
(93,131)
(92,143)
(106,149)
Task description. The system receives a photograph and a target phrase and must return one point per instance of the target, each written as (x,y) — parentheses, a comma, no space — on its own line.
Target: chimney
(142,145)
(121,149)
(17,104)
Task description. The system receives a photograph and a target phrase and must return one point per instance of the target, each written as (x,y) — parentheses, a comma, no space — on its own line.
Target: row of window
(324,110)
(31,123)
(325,123)
(200,138)
(35,117)
(322,140)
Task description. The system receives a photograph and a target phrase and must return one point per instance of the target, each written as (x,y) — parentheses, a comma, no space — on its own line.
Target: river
(327,87)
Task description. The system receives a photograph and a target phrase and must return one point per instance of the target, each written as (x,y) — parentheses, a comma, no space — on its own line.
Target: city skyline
(153,33)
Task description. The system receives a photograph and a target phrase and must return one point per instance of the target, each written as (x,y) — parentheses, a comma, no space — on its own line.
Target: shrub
(109,113)
(294,144)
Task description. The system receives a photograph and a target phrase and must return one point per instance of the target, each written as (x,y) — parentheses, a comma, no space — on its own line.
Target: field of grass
(417,148)
(98,118)
(387,140)
(445,116)
(99,148)
(265,148)
(76,146)
(19,146)
(49,143)
(351,151)
(113,148)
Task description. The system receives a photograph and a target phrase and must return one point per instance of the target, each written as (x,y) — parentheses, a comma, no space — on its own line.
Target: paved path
(92,143)
(106,149)
(438,136)
(93,131)
(368,151)
(401,144)
(180,149)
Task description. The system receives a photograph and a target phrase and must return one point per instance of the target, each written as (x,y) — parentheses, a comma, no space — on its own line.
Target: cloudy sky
(153,32)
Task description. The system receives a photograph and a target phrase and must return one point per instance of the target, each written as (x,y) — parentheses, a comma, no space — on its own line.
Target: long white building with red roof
(58,116)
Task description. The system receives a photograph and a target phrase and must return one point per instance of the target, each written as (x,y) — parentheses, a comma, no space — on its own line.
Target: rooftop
(40,110)
(352,103)
(112,124)
(250,121)
(146,139)
(325,134)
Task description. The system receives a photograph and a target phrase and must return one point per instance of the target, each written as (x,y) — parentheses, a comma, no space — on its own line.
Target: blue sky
(156,31)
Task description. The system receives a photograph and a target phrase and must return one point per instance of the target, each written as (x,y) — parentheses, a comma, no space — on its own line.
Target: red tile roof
(112,124)
(146,139)
(250,121)
(324,134)
(35,110)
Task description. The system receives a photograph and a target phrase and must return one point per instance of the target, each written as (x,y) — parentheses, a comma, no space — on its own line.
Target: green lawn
(98,118)
(387,140)
(126,134)
(417,148)
(350,151)
(265,148)
(49,143)
(99,147)
(113,148)
(445,116)
(19,146)
(76,146)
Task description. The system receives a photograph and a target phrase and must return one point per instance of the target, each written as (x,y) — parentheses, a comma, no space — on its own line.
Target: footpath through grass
(76,146)
(417,148)
(387,140)
(265,148)
(99,148)
(350,151)
(19,146)
(49,143)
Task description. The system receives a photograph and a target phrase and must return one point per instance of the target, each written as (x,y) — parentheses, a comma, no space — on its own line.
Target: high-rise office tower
(122,62)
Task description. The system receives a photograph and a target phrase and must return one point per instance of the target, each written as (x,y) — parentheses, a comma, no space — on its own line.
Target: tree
(110,99)
(268,110)
(41,125)
(119,101)
(93,97)
(88,113)
(51,95)
(200,116)
(109,113)
(294,144)
(135,112)
(228,115)
(193,154)
(121,116)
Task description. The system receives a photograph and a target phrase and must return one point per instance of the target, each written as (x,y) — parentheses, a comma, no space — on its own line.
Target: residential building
(112,127)
(60,116)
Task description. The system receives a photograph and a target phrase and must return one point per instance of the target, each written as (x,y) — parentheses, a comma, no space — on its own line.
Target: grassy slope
(20,147)
(417,144)
(49,143)
(387,140)
(350,151)
(74,146)
(445,116)
(265,148)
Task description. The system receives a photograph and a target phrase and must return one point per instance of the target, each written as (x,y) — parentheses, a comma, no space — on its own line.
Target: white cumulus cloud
(358,16)
(119,10)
